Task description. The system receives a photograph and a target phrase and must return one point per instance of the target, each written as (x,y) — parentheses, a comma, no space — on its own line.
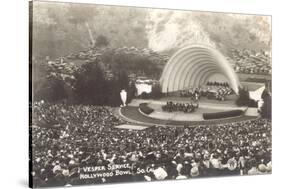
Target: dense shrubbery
(244,99)
(144,108)
(101,41)
(252,103)
(266,109)
(135,63)
(93,88)
(46,86)
(89,86)
(219,115)
(156,91)
(144,95)
(95,76)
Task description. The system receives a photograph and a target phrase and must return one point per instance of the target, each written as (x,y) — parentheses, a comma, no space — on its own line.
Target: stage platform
(205,106)
(230,100)
(132,113)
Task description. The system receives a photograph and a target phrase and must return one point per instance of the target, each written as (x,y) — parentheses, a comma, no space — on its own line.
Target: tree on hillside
(135,63)
(46,86)
(101,41)
(107,57)
(51,89)
(121,61)
(156,91)
(132,90)
(145,65)
(81,15)
(91,84)
(92,87)
(113,93)
(243,98)
(266,108)
(265,94)
(123,80)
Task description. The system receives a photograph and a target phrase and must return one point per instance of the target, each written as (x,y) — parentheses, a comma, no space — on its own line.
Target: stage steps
(251,112)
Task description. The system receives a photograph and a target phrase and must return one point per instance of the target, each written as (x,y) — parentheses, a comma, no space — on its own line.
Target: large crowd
(68,137)
(251,62)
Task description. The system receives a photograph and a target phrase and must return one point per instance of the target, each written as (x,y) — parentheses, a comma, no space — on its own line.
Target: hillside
(60,29)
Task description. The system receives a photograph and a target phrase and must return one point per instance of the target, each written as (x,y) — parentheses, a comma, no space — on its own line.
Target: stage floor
(177,116)
(205,106)
(132,114)
(230,101)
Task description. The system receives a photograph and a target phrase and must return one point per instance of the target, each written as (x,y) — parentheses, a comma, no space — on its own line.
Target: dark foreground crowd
(67,138)
(180,107)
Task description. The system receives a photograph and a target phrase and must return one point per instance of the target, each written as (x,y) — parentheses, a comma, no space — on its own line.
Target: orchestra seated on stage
(212,90)
(181,107)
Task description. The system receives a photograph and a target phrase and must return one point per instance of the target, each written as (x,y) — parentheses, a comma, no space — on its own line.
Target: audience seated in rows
(66,138)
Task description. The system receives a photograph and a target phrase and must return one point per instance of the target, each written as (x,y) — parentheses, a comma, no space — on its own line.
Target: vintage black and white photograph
(131,94)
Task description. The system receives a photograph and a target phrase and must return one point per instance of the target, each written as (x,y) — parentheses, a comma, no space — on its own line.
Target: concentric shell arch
(193,65)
